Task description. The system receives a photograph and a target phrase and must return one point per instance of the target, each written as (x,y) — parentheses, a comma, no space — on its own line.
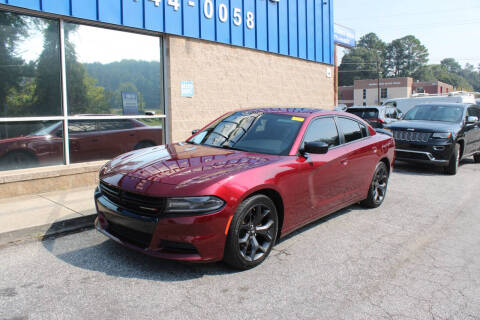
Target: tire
(378,187)
(476,158)
(18,160)
(252,233)
(144,144)
(454,162)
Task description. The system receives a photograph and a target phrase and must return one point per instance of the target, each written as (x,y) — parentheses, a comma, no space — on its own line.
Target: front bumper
(436,153)
(185,238)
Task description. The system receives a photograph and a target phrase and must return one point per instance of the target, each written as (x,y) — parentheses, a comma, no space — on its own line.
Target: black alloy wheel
(18,160)
(454,163)
(378,187)
(252,233)
(143,145)
(476,158)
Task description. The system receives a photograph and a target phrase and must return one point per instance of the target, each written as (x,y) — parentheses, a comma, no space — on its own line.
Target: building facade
(85,80)
(367,92)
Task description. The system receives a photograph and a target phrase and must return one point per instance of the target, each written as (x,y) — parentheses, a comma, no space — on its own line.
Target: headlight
(193,204)
(442,135)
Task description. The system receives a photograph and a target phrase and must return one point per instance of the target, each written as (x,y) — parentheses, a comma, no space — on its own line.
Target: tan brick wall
(227,78)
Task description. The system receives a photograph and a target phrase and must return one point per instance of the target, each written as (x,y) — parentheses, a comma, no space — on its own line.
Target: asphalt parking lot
(415,257)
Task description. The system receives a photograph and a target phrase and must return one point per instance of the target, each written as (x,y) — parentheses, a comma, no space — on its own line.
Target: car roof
(301,112)
(446,104)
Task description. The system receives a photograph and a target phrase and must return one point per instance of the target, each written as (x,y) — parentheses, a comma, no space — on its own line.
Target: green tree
(451,65)
(440,72)
(405,56)
(12,30)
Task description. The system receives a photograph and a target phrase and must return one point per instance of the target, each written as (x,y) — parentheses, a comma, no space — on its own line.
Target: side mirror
(194,131)
(472,120)
(315,147)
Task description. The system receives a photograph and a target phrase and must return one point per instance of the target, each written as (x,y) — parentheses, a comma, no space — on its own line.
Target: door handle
(94,140)
(344,161)
(374,149)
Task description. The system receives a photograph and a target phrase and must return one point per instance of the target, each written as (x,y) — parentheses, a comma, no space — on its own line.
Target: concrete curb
(48,230)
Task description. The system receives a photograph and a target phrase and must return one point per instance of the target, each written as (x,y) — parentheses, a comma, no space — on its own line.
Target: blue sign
(344,36)
(130,103)
(187,89)
(297,28)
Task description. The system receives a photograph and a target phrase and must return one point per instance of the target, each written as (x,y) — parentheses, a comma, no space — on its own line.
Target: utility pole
(378,81)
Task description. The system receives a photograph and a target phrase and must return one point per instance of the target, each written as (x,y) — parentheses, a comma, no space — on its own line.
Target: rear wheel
(144,144)
(454,162)
(252,233)
(476,158)
(18,160)
(378,187)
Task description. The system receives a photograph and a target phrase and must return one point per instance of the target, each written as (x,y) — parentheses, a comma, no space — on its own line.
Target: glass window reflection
(103,139)
(112,72)
(30,72)
(30,144)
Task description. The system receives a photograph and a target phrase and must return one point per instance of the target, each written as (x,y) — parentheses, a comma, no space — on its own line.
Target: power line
(411,13)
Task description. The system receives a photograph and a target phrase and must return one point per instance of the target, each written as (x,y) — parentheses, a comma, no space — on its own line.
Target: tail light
(376,120)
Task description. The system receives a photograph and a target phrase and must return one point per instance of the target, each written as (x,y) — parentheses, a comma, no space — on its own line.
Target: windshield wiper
(231,148)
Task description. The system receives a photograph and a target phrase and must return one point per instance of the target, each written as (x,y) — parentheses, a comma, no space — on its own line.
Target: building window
(441,90)
(113,78)
(384,93)
(364,104)
(364,94)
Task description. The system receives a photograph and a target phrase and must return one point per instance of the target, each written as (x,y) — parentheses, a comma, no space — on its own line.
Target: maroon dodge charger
(241,183)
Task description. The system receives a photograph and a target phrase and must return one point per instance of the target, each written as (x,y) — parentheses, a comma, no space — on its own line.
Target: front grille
(411,155)
(137,238)
(143,205)
(411,136)
(178,247)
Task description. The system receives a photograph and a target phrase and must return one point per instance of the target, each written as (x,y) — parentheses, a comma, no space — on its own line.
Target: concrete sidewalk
(37,216)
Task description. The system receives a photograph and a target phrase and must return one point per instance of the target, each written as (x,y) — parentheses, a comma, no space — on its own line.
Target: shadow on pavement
(115,260)
(407,168)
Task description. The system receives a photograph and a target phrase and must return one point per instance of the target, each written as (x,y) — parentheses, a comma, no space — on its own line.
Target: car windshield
(44,131)
(367,113)
(258,132)
(435,113)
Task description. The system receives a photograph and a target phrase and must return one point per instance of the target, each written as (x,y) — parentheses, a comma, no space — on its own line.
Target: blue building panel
(311,29)
(302,28)
(154,16)
(85,9)
(55,6)
(110,11)
(236,22)
(272,26)
(283,27)
(191,18)
(293,28)
(318,31)
(207,19)
(261,24)
(222,21)
(249,30)
(29,4)
(173,16)
(327,37)
(298,28)
(132,13)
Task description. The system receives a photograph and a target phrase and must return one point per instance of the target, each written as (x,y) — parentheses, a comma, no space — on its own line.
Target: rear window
(367,113)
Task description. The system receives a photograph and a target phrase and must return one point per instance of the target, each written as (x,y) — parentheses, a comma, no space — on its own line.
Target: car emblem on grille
(410,129)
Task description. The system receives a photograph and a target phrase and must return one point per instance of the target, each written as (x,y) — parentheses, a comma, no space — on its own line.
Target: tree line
(404,57)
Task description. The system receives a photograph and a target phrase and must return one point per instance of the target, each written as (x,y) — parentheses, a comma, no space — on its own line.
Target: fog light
(439,148)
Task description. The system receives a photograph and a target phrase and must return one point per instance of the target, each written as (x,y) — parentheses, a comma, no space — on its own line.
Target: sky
(449,29)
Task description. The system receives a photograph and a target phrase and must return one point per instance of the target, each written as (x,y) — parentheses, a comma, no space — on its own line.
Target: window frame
(65,117)
(342,140)
(319,118)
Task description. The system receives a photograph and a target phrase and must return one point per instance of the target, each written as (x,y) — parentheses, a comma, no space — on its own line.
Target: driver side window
(322,130)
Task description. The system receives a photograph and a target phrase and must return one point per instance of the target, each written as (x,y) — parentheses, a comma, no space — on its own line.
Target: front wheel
(454,162)
(252,233)
(476,158)
(378,187)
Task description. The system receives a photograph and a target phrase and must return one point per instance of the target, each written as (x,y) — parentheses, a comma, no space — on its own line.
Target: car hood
(178,165)
(424,126)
